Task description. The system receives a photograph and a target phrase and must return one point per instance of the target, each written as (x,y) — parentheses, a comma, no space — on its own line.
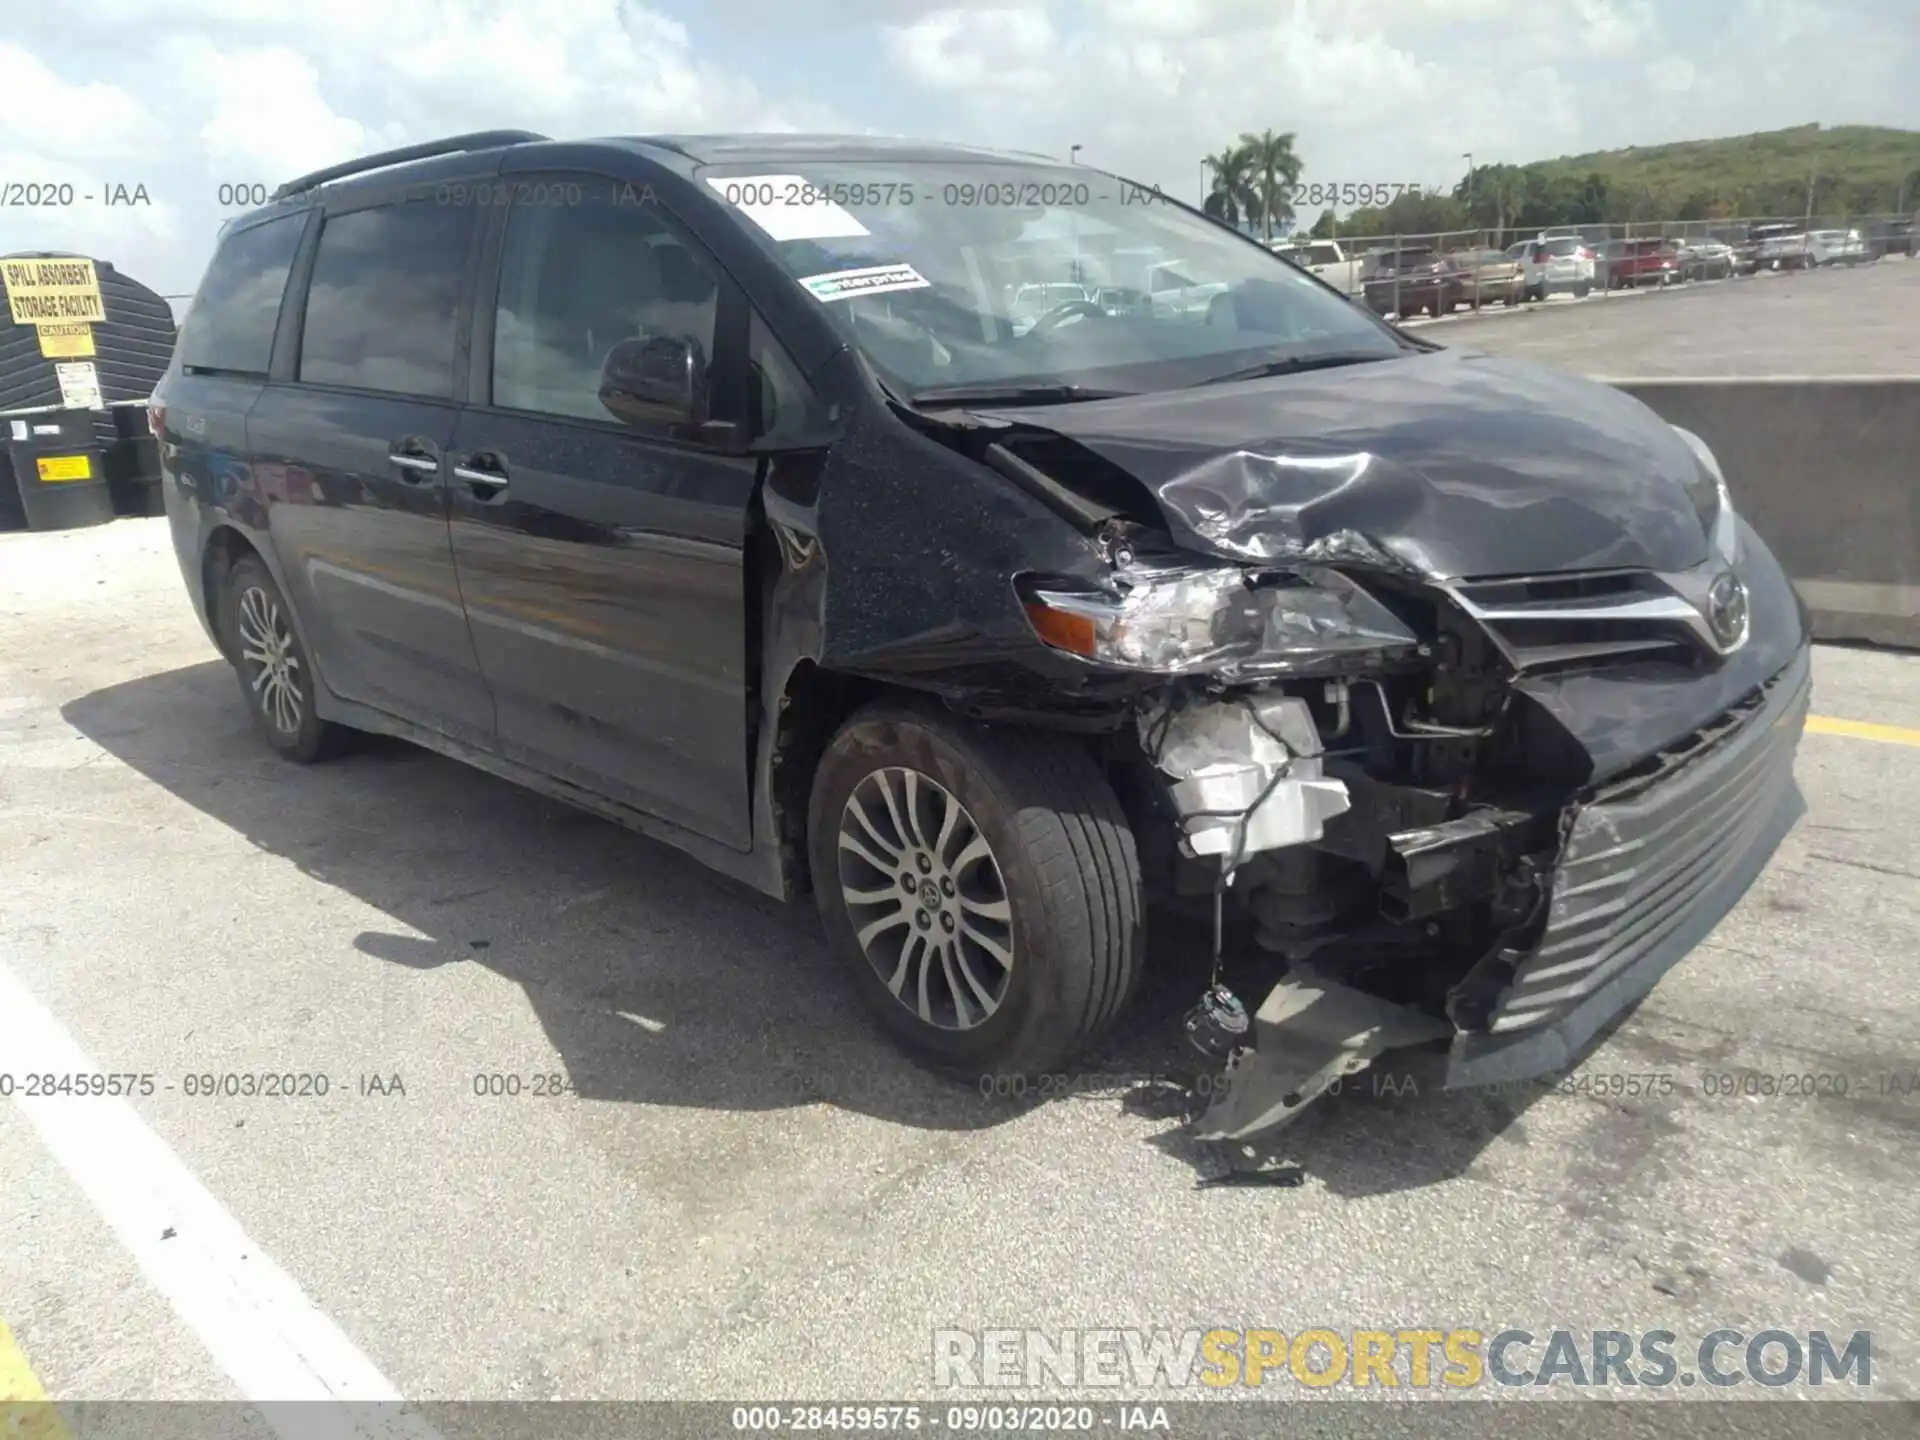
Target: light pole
(1467,156)
(1073,154)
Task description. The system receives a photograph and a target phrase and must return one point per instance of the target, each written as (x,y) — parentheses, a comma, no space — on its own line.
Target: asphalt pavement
(704,1175)
(1863,320)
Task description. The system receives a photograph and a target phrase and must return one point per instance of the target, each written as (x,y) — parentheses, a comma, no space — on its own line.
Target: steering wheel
(1064,312)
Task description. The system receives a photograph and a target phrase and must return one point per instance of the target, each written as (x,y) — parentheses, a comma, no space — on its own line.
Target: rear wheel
(275,671)
(982,885)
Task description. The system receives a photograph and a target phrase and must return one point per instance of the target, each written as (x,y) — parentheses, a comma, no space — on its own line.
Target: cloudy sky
(181,96)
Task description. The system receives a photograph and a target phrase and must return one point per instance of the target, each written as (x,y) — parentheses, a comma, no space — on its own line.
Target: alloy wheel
(927,898)
(266,646)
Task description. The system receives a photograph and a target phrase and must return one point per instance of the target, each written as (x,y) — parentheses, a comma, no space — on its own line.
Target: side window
(230,325)
(384,303)
(575,279)
(786,407)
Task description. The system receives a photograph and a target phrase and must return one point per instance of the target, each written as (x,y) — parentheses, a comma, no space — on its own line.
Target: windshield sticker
(874,280)
(788,207)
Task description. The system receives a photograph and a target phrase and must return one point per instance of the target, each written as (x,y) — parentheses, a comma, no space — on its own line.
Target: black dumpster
(132,461)
(12,517)
(57,471)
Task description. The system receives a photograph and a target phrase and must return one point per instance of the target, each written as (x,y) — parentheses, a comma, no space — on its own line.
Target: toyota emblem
(1727,610)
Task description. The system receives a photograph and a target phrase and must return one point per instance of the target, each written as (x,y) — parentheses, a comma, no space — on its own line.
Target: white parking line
(255,1321)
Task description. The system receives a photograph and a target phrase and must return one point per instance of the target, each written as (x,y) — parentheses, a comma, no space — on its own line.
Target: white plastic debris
(1223,754)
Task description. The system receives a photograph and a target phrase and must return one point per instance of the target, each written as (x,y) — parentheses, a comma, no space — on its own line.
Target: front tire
(1021,937)
(274,669)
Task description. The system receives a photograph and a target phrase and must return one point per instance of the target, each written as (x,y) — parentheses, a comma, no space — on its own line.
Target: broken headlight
(1711,499)
(1178,620)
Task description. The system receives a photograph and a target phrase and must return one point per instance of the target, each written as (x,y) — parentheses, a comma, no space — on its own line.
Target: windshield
(975,274)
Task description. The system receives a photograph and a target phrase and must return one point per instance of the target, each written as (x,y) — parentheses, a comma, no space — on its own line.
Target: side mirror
(656,383)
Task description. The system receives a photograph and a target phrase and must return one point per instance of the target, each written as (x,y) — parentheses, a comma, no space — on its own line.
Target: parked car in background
(1706,260)
(1835,247)
(1414,282)
(1030,302)
(1121,300)
(1781,246)
(1171,290)
(1890,237)
(1327,260)
(1490,277)
(1631,263)
(1555,265)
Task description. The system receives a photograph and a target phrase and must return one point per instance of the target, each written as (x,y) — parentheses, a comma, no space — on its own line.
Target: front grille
(1641,854)
(1560,622)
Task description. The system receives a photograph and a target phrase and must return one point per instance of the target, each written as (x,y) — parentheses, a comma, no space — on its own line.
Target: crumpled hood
(1450,464)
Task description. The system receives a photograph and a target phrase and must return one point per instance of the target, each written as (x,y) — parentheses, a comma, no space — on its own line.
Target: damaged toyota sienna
(1000,552)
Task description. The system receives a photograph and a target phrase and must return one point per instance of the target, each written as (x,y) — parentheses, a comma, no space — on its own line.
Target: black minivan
(717,484)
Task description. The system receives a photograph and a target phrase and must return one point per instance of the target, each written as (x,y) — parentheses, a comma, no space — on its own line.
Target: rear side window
(384,304)
(231,324)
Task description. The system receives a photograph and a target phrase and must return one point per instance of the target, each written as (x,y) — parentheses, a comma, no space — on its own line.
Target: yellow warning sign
(67,340)
(54,291)
(64,467)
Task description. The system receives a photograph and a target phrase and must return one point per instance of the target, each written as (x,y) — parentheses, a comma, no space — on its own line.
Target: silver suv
(1556,266)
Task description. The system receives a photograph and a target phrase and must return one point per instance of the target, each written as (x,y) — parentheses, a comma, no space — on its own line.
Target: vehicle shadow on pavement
(660,982)
(656,980)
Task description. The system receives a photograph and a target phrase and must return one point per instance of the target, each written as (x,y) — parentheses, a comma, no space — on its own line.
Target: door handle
(419,468)
(492,481)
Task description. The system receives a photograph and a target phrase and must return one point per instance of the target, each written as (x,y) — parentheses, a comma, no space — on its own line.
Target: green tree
(1494,195)
(1233,194)
(1275,170)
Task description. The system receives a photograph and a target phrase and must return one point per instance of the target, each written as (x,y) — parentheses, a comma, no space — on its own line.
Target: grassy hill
(1851,169)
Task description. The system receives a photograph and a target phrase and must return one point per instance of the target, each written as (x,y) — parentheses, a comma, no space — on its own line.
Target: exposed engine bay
(1387,833)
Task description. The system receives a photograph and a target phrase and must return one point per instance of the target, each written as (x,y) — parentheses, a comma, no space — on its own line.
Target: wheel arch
(814,703)
(225,548)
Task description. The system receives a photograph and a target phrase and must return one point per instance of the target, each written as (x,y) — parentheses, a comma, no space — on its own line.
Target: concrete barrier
(1827,469)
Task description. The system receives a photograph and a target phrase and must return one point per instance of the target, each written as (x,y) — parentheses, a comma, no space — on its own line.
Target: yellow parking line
(25,1413)
(1863,730)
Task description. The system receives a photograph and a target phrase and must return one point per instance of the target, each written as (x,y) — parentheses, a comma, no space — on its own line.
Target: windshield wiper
(1056,394)
(1291,366)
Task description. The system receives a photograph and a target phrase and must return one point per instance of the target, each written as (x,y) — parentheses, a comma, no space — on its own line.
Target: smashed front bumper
(1648,865)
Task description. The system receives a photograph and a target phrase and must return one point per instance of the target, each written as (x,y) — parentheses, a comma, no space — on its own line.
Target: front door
(602,563)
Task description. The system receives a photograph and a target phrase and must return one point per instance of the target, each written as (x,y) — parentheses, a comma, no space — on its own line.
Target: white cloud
(1400,89)
(986,53)
(253,92)
(76,118)
(263,117)
(200,92)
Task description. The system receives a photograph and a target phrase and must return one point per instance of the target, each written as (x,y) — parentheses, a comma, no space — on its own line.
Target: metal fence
(1398,273)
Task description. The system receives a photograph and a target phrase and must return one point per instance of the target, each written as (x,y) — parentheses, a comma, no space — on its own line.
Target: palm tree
(1275,171)
(1233,194)
(1508,191)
